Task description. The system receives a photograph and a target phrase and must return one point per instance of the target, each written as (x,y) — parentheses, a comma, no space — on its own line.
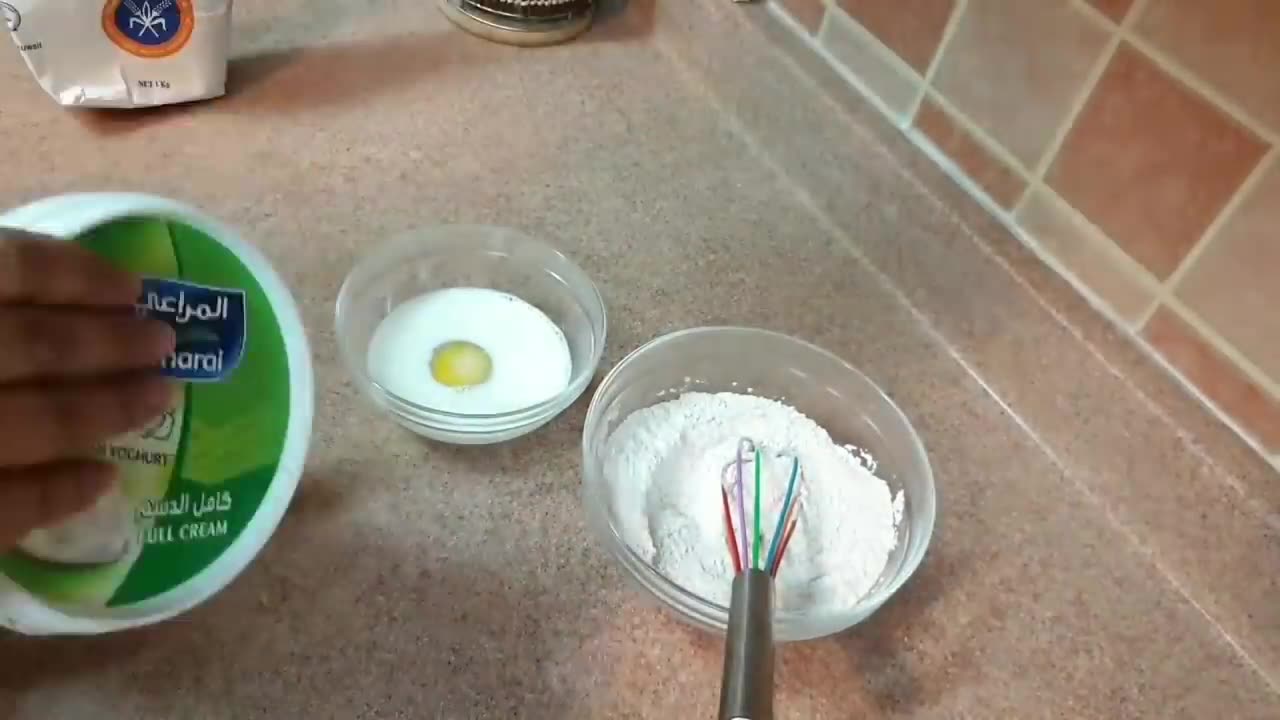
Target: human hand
(76,368)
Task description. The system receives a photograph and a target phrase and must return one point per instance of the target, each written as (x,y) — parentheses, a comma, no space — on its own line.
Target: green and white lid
(204,487)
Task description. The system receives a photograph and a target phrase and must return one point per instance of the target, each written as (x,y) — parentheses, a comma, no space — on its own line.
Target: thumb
(44,495)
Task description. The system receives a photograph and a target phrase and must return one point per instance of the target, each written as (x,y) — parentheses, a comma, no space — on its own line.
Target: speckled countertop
(1104,549)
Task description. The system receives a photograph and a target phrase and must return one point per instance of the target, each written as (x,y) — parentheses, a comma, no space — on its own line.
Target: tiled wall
(1132,142)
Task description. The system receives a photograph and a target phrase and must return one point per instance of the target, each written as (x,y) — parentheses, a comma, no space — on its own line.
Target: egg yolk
(460,364)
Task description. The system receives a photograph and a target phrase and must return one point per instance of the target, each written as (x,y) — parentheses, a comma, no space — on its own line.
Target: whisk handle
(746,690)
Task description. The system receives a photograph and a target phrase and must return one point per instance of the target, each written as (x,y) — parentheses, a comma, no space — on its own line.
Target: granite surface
(1104,548)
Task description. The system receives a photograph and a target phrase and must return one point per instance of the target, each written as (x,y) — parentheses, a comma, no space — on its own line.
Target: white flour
(665,465)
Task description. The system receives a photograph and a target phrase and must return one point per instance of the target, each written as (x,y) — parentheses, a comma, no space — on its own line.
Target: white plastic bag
(123,53)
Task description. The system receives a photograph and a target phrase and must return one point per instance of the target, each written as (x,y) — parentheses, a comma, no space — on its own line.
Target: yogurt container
(204,486)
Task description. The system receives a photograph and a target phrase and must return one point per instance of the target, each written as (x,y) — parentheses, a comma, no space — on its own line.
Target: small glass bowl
(819,384)
(449,256)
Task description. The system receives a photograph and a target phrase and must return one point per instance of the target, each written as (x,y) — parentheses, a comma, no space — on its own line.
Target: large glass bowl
(470,256)
(819,384)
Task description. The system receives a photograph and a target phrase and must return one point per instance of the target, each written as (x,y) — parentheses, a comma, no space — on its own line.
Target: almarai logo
(210,324)
(149,28)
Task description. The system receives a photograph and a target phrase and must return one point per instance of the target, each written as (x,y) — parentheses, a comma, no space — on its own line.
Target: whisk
(746,688)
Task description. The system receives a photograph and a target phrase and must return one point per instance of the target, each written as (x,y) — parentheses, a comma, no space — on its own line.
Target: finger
(39,270)
(39,425)
(46,342)
(42,496)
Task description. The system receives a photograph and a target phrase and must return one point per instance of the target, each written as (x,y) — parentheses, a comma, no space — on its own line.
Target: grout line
(815,43)
(936,335)
(1136,10)
(1130,17)
(1097,15)
(1095,300)
(1135,271)
(1272,520)
(1009,221)
(1252,372)
(1202,88)
(1034,177)
(775,7)
(1228,211)
(1050,152)
(1176,69)
(948,31)
(955,172)
(1006,218)
(1161,296)
(1145,317)
(779,10)
(876,44)
(1132,268)
(1167,294)
(1163,292)
(981,136)
(1191,441)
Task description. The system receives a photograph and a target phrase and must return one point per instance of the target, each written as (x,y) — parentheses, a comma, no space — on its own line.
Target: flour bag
(123,53)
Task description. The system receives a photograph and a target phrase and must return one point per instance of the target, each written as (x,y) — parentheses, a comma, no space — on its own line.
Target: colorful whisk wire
(744,445)
(756,536)
(747,546)
(746,689)
(784,519)
(733,541)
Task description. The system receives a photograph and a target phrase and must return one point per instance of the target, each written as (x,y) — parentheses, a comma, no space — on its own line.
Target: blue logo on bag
(149,28)
(210,323)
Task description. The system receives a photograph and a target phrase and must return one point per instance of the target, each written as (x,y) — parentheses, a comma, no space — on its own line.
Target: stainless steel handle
(746,690)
